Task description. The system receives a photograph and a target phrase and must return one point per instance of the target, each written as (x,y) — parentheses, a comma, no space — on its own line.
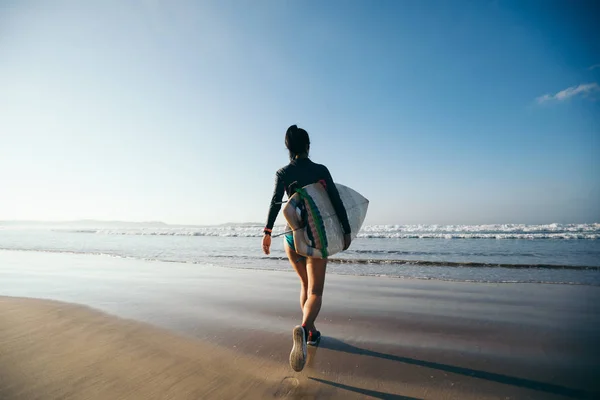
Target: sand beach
(94,327)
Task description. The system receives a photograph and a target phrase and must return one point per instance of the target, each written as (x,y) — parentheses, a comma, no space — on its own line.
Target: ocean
(552,253)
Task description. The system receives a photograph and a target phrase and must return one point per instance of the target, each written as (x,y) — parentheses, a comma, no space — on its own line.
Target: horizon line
(91,221)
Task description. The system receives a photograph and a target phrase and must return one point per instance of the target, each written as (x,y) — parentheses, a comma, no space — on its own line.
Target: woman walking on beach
(301,171)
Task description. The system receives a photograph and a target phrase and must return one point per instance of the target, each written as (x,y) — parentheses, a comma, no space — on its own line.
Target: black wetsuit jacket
(297,174)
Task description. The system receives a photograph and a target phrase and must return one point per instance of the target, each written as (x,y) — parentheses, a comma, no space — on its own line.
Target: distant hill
(91,223)
(84,222)
(242,224)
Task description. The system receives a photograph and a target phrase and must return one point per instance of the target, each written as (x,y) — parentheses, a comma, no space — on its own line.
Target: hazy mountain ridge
(91,223)
(83,222)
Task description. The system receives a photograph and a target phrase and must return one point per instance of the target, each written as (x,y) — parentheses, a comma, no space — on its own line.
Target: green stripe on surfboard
(317,218)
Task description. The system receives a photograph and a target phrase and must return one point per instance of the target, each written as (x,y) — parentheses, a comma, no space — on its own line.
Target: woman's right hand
(347,240)
(266,244)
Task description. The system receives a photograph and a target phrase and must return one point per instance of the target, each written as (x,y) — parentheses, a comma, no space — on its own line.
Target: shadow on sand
(366,392)
(338,345)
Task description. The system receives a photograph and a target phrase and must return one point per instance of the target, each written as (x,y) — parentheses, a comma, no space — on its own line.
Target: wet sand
(151,330)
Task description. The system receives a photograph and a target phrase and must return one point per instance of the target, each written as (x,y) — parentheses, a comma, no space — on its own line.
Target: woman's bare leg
(315,268)
(299,264)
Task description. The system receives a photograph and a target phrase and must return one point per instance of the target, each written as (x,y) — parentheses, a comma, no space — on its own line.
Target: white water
(529,253)
(496,231)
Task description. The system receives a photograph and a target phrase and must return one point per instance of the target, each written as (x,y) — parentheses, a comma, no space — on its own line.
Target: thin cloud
(593,67)
(584,89)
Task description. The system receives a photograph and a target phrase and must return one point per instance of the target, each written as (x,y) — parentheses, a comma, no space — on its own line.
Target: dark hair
(296,141)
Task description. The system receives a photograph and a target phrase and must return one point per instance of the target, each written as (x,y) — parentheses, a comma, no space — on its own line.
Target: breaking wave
(495,231)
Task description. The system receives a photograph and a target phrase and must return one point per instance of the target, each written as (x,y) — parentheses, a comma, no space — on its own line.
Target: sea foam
(491,231)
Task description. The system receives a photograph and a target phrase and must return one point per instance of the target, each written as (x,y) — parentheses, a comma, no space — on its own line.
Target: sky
(462,112)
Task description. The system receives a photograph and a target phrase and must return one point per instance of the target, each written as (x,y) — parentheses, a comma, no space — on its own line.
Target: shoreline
(382,337)
(417,263)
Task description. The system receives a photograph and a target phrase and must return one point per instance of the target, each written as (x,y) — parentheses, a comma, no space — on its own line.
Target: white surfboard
(319,234)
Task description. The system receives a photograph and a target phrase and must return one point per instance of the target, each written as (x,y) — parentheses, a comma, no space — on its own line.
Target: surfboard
(317,229)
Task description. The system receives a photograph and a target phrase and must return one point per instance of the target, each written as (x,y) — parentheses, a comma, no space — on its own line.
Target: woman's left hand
(266,244)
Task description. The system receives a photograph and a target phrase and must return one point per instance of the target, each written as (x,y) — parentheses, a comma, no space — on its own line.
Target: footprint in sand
(287,386)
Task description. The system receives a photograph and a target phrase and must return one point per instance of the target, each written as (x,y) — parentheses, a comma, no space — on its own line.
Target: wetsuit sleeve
(336,201)
(275,201)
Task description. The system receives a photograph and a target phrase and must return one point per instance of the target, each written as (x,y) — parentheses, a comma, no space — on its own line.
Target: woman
(301,171)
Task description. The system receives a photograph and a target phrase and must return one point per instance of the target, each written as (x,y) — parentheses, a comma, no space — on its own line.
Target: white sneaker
(298,354)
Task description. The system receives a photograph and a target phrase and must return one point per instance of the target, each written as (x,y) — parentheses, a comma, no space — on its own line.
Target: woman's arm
(275,201)
(273,211)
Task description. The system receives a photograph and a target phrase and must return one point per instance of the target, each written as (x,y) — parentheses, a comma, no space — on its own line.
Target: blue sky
(438,112)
